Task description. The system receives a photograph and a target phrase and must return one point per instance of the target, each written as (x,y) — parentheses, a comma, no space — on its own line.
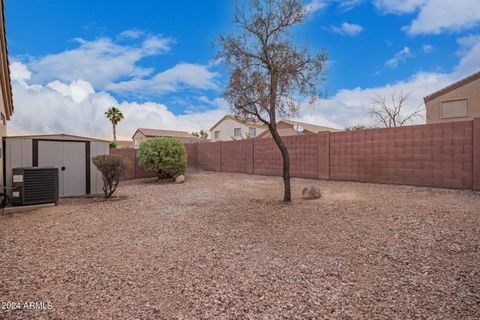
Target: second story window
(253,132)
(237,132)
(216,134)
(454,109)
(4,120)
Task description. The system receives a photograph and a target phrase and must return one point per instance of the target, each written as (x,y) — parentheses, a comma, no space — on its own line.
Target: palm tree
(115,116)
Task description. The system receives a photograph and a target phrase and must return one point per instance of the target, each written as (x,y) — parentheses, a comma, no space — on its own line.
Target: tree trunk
(114,133)
(287,193)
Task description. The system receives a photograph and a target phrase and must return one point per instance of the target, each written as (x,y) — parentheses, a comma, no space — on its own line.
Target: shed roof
(57,136)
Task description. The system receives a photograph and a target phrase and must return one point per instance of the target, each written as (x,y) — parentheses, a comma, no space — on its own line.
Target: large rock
(311,192)
(180,179)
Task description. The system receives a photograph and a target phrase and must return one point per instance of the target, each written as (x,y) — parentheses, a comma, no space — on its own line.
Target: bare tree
(268,73)
(392,112)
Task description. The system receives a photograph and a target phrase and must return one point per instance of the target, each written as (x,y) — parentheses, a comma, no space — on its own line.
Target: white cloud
(99,62)
(173,79)
(434,16)
(348,29)
(109,65)
(438,16)
(78,90)
(427,48)
(398,7)
(315,5)
(76,108)
(469,55)
(349,4)
(19,72)
(400,56)
(131,34)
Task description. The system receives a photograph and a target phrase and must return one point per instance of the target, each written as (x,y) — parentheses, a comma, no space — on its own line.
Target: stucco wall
(469,91)
(3,133)
(226,128)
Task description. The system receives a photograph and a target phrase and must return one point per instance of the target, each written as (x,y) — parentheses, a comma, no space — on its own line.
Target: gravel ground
(221,246)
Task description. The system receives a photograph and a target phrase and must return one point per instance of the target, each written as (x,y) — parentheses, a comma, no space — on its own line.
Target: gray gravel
(223,246)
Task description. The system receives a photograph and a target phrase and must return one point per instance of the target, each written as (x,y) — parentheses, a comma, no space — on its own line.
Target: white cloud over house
(75,107)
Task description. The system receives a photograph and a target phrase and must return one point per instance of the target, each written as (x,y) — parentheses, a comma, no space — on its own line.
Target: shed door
(69,157)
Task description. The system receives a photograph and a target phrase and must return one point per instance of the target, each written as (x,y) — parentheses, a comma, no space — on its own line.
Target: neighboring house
(456,102)
(235,128)
(293,128)
(143,134)
(6,102)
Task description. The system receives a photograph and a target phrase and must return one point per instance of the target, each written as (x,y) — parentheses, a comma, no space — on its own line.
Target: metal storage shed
(71,154)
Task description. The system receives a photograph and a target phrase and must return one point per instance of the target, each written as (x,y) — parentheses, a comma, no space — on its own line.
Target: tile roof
(164,133)
(453,86)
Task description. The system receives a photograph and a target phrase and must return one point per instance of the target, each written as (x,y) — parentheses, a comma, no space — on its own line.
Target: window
(237,132)
(216,134)
(454,109)
(4,120)
(253,132)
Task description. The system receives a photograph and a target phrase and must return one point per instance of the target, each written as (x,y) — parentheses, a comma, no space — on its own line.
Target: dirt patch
(224,246)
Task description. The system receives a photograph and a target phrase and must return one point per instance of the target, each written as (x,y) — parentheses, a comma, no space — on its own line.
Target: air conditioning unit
(34,185)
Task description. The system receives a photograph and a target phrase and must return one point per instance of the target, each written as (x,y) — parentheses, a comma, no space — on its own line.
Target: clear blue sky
(371,45)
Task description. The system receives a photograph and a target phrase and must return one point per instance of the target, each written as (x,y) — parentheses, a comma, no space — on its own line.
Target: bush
(112,145)
(111,167)
(164,157)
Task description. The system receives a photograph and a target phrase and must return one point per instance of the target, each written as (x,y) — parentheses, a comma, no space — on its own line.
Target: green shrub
(111,167)
(164,157)
(112,145)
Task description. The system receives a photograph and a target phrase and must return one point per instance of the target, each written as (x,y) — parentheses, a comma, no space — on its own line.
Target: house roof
(247,122)
(290,131)
(164,133)
(453,86)
(308,126)
(5,67)
(57,136)
(284,132)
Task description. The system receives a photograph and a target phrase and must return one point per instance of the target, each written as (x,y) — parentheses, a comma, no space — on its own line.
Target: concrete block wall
(134,169)
(208,157)
(434,155)
(233,156)
(476,154)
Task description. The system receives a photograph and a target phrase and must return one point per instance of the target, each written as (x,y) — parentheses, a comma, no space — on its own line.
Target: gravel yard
(222,246)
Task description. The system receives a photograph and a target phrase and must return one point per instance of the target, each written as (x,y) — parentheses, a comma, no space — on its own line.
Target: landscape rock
(228,248)
(311,192)
(180,179)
